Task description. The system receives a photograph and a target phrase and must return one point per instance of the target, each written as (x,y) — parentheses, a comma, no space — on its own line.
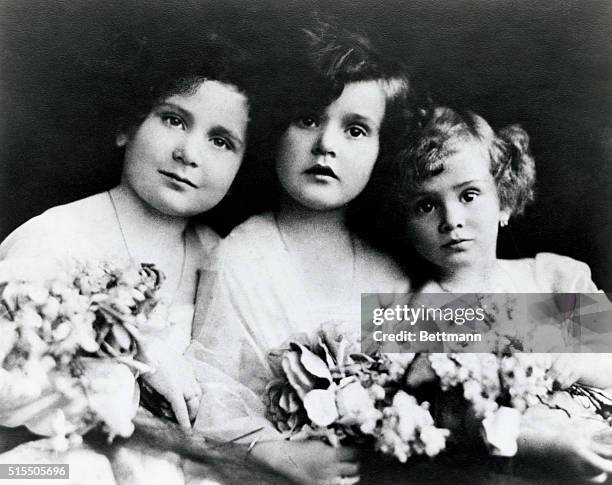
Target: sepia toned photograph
(197,198)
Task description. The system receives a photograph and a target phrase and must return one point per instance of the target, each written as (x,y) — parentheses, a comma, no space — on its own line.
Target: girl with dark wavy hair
(341,105)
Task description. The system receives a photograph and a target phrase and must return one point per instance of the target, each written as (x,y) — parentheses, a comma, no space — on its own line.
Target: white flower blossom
(47,330)
(356,407)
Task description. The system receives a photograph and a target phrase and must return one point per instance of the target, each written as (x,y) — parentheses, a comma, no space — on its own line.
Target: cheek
(488,218)
(143,151)
(373,151)
(421,234)
(294,147)
(222,173)
(288,167)
(364,158)
(284,173)
(215,185)
(135,168)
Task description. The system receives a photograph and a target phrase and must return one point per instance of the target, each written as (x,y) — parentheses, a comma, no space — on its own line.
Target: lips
(322,170)
(456,243)
(178,178)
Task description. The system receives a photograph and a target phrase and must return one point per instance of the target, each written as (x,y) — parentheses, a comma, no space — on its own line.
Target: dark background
(544,64)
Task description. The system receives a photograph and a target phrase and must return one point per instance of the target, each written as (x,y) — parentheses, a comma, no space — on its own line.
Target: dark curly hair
(308,74)
(134,73)
(446,131)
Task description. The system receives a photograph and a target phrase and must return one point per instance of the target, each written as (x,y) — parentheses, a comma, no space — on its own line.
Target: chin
(175,208)
(319,203)
(459,263)
(322,206)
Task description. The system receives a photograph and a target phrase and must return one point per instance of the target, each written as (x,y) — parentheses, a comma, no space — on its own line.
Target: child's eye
(356,131)
(220,142)
(307,121)
(173,120)
(469,195)
(424,207)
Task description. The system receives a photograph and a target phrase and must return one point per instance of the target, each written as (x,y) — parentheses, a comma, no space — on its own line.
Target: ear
(121,140)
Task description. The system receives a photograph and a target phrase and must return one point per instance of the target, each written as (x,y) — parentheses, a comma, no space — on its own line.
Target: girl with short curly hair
(456,183)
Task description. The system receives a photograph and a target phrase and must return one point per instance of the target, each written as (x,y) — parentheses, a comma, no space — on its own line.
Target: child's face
(324,161)
(183,157)
(454,216)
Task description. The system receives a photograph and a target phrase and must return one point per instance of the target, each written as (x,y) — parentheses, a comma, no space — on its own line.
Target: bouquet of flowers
(325,387)
(68,349)
(403,404)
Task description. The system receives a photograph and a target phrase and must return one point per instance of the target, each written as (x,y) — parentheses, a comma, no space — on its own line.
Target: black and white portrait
(194,196)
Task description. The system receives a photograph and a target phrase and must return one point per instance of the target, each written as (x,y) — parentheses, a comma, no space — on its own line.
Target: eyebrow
(352,117)
(469,182)
(182,111)
(423,193)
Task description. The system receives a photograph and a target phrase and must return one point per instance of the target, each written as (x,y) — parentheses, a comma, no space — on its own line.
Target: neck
(306,224)
(323,251)
(139,218)
(469,279)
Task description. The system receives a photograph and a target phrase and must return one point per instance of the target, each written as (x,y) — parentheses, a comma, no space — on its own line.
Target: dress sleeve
(591,311)
(563,274)
(36,249)
(25,241)
(223,359)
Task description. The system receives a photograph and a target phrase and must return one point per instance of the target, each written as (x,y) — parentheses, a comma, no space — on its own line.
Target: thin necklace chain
(353,253)
(125,244)
(133,261)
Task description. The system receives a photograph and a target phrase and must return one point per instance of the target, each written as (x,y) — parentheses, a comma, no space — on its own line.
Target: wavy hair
(446,132)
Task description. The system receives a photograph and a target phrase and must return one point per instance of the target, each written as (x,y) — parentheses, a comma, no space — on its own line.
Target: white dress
(33,252)
(547,274)
(257,300)
(552,274)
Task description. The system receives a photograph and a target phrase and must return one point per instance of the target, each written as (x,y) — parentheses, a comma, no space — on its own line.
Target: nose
(452,217)
(187,152)
(325,144)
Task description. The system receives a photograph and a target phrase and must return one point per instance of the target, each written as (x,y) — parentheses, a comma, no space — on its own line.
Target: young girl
(288,270)
(183,129)
(460,181)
